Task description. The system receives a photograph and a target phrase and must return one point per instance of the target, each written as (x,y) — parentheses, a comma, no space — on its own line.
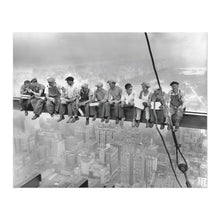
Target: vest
(84,96)
(175,100)
(53,91)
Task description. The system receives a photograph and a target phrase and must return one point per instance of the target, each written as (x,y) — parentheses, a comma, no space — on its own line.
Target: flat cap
(34,80)
(145,84)
(27,81)
(51,79)
(174,82)
(84,85)
(99,84)
(69,78)
(111,81)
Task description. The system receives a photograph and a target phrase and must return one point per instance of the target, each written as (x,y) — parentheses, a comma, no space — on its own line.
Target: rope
(182,167)
(171,163)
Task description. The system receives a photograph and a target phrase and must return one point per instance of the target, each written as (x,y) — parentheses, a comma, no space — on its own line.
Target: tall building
(127,169)
(113,159)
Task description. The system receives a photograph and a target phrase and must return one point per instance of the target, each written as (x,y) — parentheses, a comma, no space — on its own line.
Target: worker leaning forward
(145,96)
(127,103)
(53,97)
(84,100)
(25,96)
(100,96)
(162,115)
(37,97)
(114,100)
(69,99)
(176,104)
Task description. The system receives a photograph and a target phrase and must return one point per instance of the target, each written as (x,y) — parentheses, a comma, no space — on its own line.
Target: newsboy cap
(51,79)
(145,84)
(111,81)
(69,78)
(174,82)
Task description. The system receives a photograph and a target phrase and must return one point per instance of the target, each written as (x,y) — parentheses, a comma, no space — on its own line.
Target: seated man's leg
(57,104)
(117,109)
(138,116)
(147,116)
(38,108)
(33,102)
(24,105)
(70,111)
(87,113)
(75,108)
(50,107)
(107,112)
(62,111)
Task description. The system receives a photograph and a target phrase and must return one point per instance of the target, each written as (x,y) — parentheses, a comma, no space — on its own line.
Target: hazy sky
(36,49)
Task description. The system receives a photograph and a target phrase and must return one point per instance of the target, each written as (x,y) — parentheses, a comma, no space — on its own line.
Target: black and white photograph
(110,110)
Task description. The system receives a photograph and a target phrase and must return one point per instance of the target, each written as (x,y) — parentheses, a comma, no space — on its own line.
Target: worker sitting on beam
(25,96)
(127,103)
(37,98)
(176,104)
(84,99)
(53,97)
(100,96)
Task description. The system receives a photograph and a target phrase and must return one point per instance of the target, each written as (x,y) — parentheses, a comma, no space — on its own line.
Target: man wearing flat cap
(176,104)
(25,96)
(85,97)
(53,97)
(38,97)
(114,100)
(71,95)
(145,96)
(100,96)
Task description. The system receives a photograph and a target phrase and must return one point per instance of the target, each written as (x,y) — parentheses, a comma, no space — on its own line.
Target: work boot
(122,121)
(35,117)
(75,119)
(52,115)
(161,126)
(133,123)
(168,127)
(69,120)
(87,121)
(107,120)
(151,124)
(61,118)
(26,113)
(102,119)
(116,121)
(94,118)
(147,124)
(137,123)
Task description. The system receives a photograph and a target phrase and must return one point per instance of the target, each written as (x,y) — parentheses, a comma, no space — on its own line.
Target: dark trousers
(127,107)
(86,107)
(100,110)
(117,109)
(25,104)
(53,106)
(72,107)
(38,105)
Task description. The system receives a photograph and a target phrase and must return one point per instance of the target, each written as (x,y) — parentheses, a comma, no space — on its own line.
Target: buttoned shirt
(100,94)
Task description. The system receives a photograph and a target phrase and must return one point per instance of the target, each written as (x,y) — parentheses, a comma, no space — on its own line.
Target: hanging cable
(183,167)
(171,163)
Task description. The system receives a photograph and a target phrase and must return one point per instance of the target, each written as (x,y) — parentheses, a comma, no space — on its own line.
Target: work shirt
(100,94)
(71,92)
(23,90)
(85,95)
(145,98)
(128,98)
(176,99)
(36,88)
(114,94)
(53,91)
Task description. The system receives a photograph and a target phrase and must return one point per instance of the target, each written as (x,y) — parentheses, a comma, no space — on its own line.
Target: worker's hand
(145,104)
